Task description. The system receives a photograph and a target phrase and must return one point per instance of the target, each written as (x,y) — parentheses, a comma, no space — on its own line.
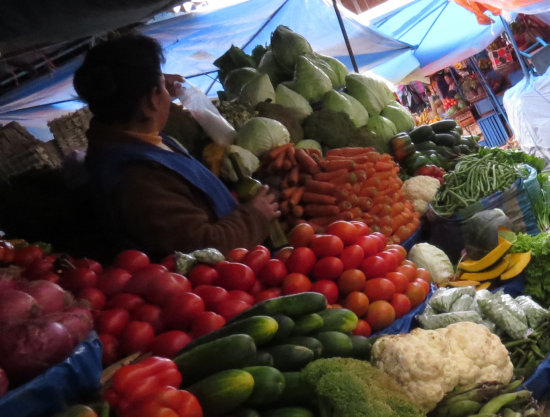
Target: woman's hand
(170,81)
(265,202)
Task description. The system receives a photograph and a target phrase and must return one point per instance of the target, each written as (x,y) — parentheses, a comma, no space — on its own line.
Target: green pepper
(402,146)
(415,161)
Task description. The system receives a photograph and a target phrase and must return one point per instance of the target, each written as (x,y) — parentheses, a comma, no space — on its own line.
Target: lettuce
(371,92)
(248,162)
(236,79)
(382,127)
(261,134)
(341,102)
(257,90)
(291,99)
(287,46)
(309,80)
(399,115)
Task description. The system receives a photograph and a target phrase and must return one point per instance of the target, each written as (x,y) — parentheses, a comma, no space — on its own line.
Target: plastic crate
(494,132)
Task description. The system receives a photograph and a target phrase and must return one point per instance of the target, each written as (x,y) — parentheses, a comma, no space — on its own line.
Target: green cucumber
(340,319)
(286,325)
(307,341)
(223,391)
(269,384)
(421,134)
(297,391)
(287,357)
(262,359)
(445,139)
(307,324)
(233,351)
(424,146)
(288,412)
(293,305)
(458,129)
(443,126)
(335,344)
(245,412)
(464,149)
(261,328)
(361,347)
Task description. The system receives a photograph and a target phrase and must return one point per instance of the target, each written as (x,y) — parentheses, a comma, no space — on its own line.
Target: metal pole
(515,46)
(344,33)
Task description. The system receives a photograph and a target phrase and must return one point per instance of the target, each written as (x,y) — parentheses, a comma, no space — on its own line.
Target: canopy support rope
(345,35)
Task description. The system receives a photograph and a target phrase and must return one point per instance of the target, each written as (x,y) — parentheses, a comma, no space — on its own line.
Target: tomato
(358,302)
(94,297)
(241,295)
(375,266)
(168,344)
(380,314)
(401,304)
(230,308)
(407,262)
(363,328)
(89,263)
(211,295)
(181,309)
(362,226)
(424,284)
(397,254)
(301,235)
(151,314)
(352,256)
(165,286)
(256,259)
(273,273)
(416,293)
(381,240)
(206,322)
(131,260)
(328,288)
(408,270)
(202,274)
(424,274)
(137,336)
(301,260)
(351,280)
(126,301)
(113,280)
(379,289)
(76,279)
(141,279)
(110,346)
(368,244)
(399,280)
(267,294)
(257,287)
(169,262)
(236,255)
(329,267)
(26,255)
(236,276)
(400,248)
(326,245)
(50,276)
(38,267)
(296,282)
(391,259)
(113,321)
(346,231)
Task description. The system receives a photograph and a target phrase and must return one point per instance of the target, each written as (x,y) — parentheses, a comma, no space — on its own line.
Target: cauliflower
(420,190)
(431,363)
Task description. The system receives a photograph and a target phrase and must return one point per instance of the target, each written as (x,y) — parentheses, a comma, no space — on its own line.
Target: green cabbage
(372,93)
(268,65)
(309,144)
(310,81)
(261,134)
(399,115)
(236,79)
(326,68)
(287,46)
(291,99)
(248,162)
(341,102)
(339,69)
(381,127)
(257,90)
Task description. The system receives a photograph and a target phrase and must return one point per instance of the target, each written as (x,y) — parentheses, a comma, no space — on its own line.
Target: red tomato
(400,248)
(168,344)
(424,274)
(408,270)
(230,308)
(424,284)
(131,260)
(113,280)
(236,255)
(301,261)
(206,322)
(328,288)
(351,280)
(379,289)
(399,280)
(326,245)
(113,321)
(382,240)
(295,283)
(283,254)
(380,314)
(362,226)
(352,256)
(328,268)
(211,295)
(375,266)
(416,293)
(398,255)
(301,235)
(241,295)
(401,304)
(257,287)
(26,255)
(165,286)
(368,244)
(390,259)
(263,248)
(151,314)
(89,263)
(203,275)
(38,267)
(126,301)
(256,259)
(95,298)
(169,262)
(358,302)
(363,328)
(137,336)
(346,231)
(236,276)
(110,345)
(76,279)
(141,279)
(50,276)
(267,294)
(181,310)
(273,273)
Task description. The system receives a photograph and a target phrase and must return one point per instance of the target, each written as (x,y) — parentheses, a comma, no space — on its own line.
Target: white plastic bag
(206,114)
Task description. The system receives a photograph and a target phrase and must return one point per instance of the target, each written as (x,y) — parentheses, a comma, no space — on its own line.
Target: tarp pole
(515,46)
(345,34)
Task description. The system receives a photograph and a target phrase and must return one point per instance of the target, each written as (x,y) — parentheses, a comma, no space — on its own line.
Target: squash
(483,286)
(488,260)
(480,232)
(517,263)
(488,274)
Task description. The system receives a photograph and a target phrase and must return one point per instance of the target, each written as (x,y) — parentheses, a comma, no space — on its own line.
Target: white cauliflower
(431,363)
(420,190)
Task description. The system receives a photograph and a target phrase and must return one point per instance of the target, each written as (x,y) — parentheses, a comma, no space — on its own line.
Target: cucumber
(297,391)
(293,305)
(307,324)
(262,359)
(307,341)
(245,412)
(269,384)
(361,347)
(458,129)
(443,126)
(340,319)
(261,328)
(464,149)
(233,351)
(445,139)
(424,146)
(335,344)
(223,391)
(287,357)
(288,412)
(421,134)
(286,325)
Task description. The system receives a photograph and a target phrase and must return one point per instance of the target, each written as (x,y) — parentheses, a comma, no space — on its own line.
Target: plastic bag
(437,321)
(206,114)
(534,312)
(512,306)
(443,299)
(499,314)
(463,303)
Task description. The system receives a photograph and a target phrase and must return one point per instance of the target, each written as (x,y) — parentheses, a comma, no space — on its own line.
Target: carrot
(359,159)
(293,175)
(287,165)
(296,196)
(383,166)
(278,162)
(310,197)
(367,191)
(383,174)
(345,205)
(316,210)
(329,176)
(353,199)
(275,152)
(322,187)
(364,203)
(287,192)
(321,220)
(372,182)
(348,151)
(303,178)
(307,163)
(334,165)
(298,211)
(342,180)
(284,206)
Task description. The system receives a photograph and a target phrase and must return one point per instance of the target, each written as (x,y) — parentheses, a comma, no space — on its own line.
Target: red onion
(17,305)
(50,296)
(7,284)
(78,322)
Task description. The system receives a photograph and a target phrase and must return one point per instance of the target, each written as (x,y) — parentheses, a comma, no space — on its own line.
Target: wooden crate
(464,117)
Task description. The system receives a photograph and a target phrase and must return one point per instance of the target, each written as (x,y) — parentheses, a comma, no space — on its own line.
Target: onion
(7,284)
(78,322)
(29,348)
(17,305)
(50,296)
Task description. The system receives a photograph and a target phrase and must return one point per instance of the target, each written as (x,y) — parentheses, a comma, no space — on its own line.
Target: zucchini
(458,129)
(293,305)
(287,357)
(443,126)
(307,324)
(361,347)
(286,325)
(335,344)
(297,391)
(307,341)
(445,139)
(233,351)
(262,359)
(421,134)
(288,412)
(261,328)
(269,384)
(424,146)
(339,319)
(223,391)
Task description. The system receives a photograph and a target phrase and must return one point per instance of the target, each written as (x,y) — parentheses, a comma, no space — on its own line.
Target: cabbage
(382,127)
(309,144)
(236,79)
(248,162)
(287,46)
(326,68)
(261,134)
(268,65)
(339,69)
(399,115)
(291,99)
(372,93)
(341,102)
(257,90)
(310,81)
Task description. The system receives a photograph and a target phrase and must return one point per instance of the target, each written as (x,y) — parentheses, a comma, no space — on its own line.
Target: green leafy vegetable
(261,134)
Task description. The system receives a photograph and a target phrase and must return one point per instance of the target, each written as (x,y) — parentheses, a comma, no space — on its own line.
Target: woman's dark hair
(117,74)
